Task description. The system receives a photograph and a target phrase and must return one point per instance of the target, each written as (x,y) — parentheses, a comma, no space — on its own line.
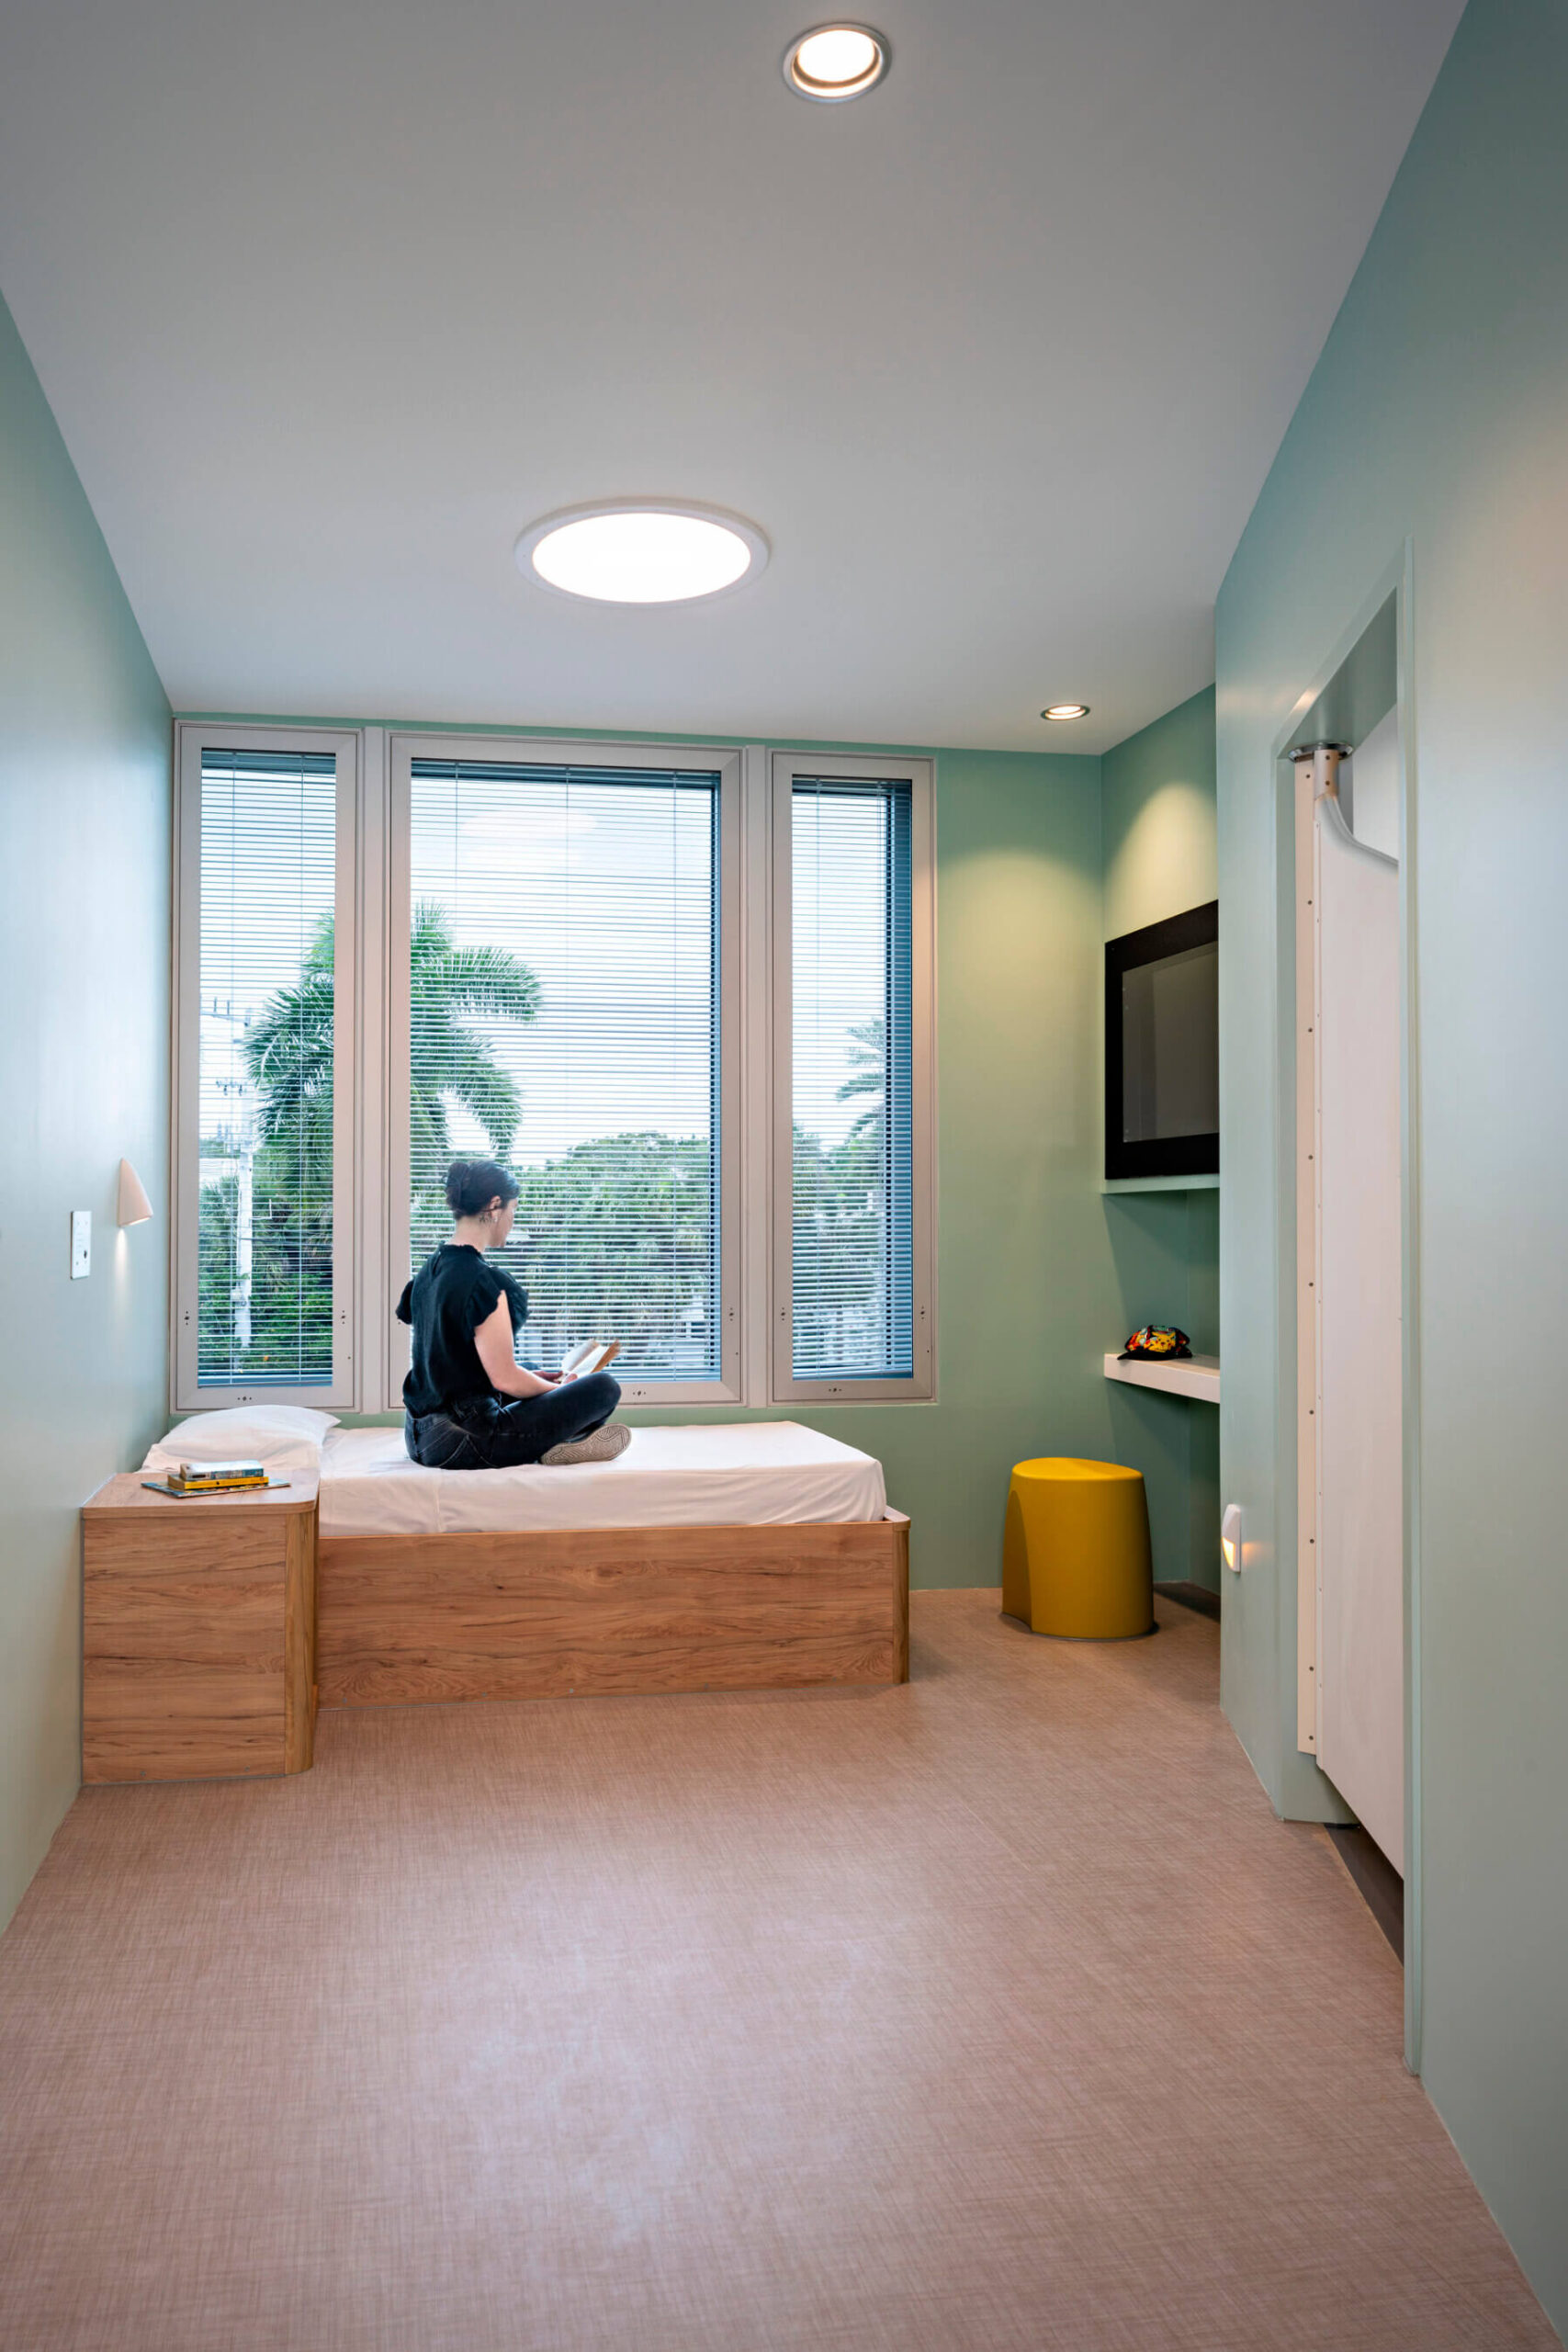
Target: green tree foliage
(289,1058)
(838,1224)
(868,1062)
(288,1053)
(840,1243)
(217,1259)
(450,988)
(615,1239)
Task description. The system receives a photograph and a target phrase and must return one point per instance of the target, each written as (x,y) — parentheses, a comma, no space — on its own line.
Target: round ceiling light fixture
(832,63)
(1066,710)
(641,551)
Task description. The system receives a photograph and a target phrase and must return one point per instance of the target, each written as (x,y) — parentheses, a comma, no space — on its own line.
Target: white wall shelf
(1160,1184)
(1196,1376)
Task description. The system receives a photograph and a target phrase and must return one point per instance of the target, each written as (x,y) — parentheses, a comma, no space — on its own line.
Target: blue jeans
(483,1433)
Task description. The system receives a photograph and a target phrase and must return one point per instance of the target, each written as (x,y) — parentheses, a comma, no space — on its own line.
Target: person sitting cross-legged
(468,1404)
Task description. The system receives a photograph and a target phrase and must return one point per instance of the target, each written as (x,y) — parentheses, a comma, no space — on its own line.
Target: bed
(742,1555)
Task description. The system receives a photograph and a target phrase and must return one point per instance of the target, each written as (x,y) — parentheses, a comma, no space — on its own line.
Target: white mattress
(736,1474)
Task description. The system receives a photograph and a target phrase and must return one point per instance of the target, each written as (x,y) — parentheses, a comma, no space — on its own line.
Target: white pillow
(286,1436)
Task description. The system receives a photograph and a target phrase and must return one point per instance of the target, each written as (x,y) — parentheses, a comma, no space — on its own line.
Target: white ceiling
(331,297)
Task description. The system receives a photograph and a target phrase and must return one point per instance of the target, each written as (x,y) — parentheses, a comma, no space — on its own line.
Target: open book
(593,1355)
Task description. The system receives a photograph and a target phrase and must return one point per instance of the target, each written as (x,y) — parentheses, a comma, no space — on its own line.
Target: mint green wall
(1437,419)
(1157,794)
(1026,1284)
(1161,854)
(84,792)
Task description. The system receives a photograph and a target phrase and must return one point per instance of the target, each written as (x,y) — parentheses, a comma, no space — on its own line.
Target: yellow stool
(1076,1553)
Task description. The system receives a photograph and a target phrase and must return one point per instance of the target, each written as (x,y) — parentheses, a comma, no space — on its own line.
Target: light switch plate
(81,1243)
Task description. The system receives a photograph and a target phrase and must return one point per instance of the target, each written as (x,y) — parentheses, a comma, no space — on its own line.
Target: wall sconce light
(1230,1538)
(132,1206)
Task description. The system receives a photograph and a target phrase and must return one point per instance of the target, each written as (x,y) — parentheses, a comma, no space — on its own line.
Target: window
(684,994)
(265,1195)
(561,998)
(852,1015)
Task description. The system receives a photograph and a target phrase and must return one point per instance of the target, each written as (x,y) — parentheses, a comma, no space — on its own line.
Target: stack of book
(216,1477)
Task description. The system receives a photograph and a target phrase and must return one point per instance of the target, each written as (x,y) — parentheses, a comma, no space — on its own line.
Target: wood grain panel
(172,1725)
(146,1598)
(299,1644)
(198,1633)
(899,1523)
(403,1619)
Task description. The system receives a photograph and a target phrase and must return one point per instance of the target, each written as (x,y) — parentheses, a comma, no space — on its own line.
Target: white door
(1359,1502)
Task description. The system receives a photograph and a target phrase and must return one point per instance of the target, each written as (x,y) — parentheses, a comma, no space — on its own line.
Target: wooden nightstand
(199,1632)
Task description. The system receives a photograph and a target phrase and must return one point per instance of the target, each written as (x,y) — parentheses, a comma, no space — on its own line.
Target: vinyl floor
(996,2011)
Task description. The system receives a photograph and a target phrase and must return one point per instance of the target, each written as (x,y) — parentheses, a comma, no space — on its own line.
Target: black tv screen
(1162,1047)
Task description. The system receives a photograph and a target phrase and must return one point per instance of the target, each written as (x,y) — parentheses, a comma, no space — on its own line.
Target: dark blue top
(454,1291)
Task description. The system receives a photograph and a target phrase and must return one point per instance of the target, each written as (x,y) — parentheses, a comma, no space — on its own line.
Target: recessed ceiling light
(641,551)
(832,63)
(1066,710)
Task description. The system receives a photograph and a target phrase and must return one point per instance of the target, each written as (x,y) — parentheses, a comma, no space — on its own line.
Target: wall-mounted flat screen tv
(1162,1047)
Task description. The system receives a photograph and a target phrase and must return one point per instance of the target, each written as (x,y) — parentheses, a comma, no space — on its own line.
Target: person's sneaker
(599,1446)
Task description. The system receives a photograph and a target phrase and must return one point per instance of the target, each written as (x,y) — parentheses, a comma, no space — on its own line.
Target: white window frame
(343,745)
(371,1073)
(530,750)
(919,1384)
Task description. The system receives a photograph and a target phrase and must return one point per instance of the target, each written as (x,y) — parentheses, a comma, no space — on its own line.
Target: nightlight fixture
(832,63)
(1066,710)
(1230,1538)
(132,1205)
(641,551)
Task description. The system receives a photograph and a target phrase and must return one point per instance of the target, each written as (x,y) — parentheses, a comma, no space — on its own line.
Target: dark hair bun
(473,1185)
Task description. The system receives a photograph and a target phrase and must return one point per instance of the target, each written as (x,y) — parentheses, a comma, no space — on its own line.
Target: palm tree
(288,1061)
(868,1057)
(288,1049)
(288,1056)
(448,988)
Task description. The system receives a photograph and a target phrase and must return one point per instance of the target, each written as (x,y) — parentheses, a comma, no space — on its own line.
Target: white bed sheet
(736,1474)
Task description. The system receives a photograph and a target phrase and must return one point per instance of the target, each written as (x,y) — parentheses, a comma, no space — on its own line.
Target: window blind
(564,1020)
(851,1079)
(265,1055)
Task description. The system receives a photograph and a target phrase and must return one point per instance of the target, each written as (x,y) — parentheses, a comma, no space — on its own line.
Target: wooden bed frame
(408,1619)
